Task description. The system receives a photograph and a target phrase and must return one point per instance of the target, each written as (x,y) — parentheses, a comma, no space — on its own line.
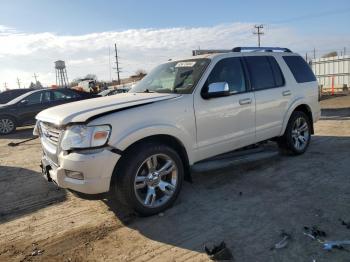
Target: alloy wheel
(300,133)
(156,180)
(6,126)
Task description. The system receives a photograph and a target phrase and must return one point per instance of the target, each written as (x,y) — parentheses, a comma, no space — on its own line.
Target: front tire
(297,135)
(149,179)
(7,125)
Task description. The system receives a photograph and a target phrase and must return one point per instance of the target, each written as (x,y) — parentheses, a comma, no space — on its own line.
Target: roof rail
(209,51)
(240,49)
(261,49)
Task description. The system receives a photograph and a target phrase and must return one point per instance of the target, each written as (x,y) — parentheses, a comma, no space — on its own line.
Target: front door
(30,106)
(225,123)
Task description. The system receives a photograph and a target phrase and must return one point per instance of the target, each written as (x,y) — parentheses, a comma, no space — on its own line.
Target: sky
(34,34)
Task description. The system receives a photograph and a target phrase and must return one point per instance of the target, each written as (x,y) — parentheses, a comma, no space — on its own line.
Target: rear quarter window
(264,72)
(300,69)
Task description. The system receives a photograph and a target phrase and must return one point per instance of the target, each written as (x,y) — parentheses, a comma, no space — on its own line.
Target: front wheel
(150,178)
(7,125)
(297,135)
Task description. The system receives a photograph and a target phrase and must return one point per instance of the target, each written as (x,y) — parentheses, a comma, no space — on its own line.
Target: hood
(85,110)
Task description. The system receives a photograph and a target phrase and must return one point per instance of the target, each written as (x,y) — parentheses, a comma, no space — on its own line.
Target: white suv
(139,146)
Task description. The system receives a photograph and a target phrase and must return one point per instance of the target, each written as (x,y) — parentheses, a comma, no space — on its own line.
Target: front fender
(136,135)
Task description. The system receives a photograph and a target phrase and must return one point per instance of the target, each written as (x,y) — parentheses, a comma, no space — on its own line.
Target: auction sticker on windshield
(185,64)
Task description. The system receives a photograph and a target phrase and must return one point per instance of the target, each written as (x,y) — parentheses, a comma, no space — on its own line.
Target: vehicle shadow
(335,113)
(24,191)
(248,205)
(20,133)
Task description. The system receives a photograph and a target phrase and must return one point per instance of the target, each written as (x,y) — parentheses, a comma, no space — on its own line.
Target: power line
(258,32)
(312,16)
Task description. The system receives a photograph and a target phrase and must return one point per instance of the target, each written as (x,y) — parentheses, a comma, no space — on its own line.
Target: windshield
(173,77)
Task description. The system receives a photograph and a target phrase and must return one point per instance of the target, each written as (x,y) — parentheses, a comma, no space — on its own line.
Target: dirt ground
(246,204)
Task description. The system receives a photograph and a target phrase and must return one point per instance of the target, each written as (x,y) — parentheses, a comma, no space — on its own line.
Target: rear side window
(300,69)
(264,72)
(277,72)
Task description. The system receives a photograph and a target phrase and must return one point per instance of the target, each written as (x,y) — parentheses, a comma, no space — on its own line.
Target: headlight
(81,136)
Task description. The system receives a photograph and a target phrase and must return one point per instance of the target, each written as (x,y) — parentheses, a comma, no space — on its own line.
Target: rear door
(225,123)
(272,95)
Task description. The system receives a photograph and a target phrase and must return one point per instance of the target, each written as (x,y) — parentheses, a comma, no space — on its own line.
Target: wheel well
(167,140)
(306,110)
(11,116)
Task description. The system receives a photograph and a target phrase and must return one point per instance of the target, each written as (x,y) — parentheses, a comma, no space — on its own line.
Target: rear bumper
(96,168)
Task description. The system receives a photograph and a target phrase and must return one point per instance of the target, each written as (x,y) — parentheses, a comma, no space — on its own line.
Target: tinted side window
(63,95)
(277,72)
(260,71)
(70,94)
(229,70)
(34,98)
(300,69)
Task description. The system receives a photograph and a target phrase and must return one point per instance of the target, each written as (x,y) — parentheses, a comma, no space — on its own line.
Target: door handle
(286,93)
(245,101)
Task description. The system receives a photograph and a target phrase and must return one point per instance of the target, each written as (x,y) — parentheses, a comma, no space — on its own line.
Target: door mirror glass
(217,90)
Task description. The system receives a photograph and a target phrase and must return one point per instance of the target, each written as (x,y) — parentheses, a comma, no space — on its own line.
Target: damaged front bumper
(88,172)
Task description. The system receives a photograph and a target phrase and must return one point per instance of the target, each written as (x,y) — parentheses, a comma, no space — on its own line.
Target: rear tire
(149,179)
(7,125)
(297,135)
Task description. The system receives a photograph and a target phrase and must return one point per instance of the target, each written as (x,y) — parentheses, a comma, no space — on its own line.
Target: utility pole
(117,62)
(314,53)
(109,63)
(344,51)
(36,78)
(5,86)
(18,83)
(258,32)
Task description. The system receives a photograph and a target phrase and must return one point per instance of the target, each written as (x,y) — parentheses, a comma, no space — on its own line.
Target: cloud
(23,54)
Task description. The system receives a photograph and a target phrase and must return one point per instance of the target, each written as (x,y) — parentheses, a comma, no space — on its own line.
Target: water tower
(61,74)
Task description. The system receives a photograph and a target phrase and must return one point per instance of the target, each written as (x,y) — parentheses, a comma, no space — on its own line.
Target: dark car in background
(22,110)
(9,95)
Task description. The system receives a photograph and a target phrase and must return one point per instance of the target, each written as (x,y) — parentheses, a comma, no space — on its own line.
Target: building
(332,73)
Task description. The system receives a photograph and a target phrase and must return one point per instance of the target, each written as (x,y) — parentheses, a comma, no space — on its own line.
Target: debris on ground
(282,243)
(346,224)
(314,231)
(36,251)
(240,193)
(161,214)
(219,252)
(329,245)
(21,142)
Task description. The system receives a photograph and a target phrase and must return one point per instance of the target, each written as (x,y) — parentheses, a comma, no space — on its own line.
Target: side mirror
(217,90)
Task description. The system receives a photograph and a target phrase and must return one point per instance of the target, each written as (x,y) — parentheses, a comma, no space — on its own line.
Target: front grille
(50,133)
(50,137)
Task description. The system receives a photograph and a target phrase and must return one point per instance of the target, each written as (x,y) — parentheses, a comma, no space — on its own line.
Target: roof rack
(261,49)
(240,49)
(209,51)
